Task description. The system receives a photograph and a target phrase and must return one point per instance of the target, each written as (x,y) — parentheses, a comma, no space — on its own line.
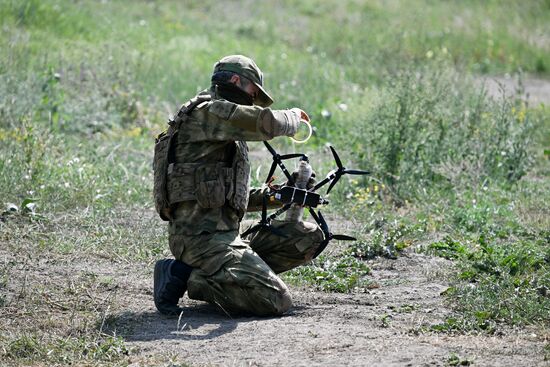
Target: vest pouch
(241,187)
(160,163)
(210,186)
(181,182)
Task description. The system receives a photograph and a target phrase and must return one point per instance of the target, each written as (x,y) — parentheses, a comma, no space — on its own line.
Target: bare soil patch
(535,91)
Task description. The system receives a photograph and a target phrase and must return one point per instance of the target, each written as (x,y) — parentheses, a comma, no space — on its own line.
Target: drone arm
(279,212)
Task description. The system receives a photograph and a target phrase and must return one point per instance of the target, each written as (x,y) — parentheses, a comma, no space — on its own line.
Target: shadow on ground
(196,322)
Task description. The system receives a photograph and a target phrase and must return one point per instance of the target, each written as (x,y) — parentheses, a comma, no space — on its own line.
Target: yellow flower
(520,113)
(136,131)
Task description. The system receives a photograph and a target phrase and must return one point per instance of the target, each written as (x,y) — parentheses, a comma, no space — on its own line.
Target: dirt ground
(378,328)
(383,326)
(534,91)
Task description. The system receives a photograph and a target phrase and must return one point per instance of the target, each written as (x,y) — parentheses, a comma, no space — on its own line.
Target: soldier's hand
(310,183)
(286,122)
(302,115)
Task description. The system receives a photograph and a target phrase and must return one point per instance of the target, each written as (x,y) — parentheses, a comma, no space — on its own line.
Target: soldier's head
(242,72)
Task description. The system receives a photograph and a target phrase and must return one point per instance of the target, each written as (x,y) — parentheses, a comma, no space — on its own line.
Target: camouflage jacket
(213,139)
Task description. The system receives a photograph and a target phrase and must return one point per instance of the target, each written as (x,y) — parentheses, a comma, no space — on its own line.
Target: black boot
(170,283)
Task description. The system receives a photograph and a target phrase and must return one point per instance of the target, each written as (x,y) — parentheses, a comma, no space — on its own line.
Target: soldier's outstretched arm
(224,120)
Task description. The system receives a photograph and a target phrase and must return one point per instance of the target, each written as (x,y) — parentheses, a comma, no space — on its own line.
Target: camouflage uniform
(237,274)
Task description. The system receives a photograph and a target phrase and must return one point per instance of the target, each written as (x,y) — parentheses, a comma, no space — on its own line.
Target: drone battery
(289,194)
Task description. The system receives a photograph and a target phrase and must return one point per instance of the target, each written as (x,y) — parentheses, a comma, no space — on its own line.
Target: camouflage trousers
(239,274)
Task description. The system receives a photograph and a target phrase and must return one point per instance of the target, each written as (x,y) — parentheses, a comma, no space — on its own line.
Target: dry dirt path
(534,90)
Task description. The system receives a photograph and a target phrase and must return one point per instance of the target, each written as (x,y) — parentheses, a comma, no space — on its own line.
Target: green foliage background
(393,85)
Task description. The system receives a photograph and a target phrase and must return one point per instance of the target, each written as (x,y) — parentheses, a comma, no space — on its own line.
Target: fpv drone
(290,194)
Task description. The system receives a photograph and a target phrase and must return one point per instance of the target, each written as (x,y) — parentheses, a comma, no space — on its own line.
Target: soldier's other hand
(310,183)
(292,119)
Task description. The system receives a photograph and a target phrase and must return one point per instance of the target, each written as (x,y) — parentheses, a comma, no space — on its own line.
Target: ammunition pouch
(207,183)
(160,164)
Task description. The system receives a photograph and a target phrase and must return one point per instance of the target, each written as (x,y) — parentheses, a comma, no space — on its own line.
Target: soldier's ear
(235,79)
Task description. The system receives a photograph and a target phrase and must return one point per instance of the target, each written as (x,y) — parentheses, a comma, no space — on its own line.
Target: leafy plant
(387,242)
(498,283)
(455,360)
(341,274)
(448,248)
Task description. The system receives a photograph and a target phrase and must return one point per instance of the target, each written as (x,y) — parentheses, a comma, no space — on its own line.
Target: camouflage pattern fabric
(239,275)
(213,131)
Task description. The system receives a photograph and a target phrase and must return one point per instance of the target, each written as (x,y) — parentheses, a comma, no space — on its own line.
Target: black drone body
(289,194)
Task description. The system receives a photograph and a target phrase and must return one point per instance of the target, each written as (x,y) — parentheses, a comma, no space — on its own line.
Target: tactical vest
(211,185)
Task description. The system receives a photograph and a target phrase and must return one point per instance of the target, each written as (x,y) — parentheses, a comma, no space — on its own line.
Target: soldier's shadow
(196,322)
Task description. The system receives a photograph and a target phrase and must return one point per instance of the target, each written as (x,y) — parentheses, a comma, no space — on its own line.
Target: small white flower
(326,114)
(343,107)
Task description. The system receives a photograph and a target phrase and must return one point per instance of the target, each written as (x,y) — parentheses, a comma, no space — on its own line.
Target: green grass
(341,274)
(498,282)
(85,86)
(101,349)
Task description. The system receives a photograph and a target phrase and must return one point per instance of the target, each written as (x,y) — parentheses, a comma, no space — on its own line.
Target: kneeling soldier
(202,174)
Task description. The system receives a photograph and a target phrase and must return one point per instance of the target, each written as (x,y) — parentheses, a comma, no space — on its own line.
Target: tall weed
(432,127)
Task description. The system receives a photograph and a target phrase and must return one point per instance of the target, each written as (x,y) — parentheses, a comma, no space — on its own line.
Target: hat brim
(263,99)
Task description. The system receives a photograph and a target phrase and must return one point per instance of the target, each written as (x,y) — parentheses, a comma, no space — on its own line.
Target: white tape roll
(308,135)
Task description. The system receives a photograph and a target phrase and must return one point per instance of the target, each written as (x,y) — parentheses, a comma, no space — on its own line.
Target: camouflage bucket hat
(246,67)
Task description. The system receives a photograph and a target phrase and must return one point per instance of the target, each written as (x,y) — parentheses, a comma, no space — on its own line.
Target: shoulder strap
(186,109)
(176,121)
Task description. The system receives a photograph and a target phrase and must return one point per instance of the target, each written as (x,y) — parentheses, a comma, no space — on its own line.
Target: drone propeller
(278,160)
(328,235)
(334,181)
(336,157)
(335,175)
